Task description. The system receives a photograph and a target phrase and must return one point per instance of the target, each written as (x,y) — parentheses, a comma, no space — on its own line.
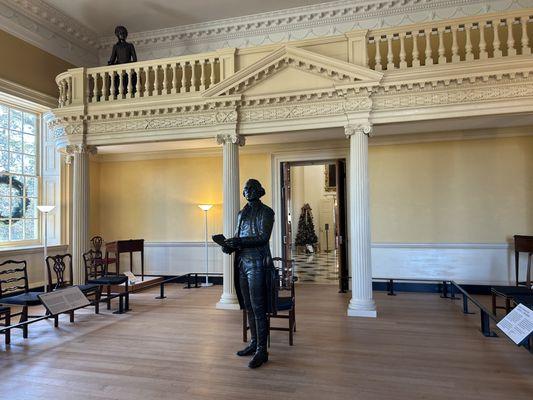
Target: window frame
(20,104)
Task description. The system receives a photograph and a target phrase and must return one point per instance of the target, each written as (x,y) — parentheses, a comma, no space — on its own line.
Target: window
(19,187)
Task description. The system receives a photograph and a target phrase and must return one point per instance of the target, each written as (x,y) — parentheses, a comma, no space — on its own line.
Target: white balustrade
(453,41)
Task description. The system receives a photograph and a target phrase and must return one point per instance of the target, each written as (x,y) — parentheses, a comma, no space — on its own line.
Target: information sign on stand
(63,300)
(518,324)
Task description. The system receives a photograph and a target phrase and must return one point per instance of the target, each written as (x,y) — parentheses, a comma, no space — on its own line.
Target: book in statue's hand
(219,239)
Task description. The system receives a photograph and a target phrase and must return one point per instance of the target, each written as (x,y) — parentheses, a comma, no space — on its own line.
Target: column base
(362,308)
(227,306)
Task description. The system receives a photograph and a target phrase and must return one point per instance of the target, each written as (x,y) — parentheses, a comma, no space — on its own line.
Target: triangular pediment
(291,69)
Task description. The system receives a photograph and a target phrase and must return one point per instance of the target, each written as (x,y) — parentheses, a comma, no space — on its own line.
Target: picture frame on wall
(330,178)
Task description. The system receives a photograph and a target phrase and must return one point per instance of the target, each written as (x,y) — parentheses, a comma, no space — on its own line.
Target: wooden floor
(420,347)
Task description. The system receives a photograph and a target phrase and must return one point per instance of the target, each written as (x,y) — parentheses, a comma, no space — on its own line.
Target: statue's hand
(233,243)
(227,250)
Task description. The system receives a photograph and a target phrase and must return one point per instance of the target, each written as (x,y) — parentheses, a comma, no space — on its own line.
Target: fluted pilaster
(230,197)
(80,207)
(361,304)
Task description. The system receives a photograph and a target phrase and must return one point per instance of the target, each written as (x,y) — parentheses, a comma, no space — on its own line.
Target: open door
(286,217)
(340,226)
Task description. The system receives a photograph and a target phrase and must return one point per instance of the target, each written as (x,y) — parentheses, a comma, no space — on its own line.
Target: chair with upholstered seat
(96,273)
(508,293)
(15,291)
(59,266)
(99,260)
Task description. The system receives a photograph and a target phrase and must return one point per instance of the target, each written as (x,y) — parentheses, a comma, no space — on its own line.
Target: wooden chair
(508,293)
(523,244)
(286,302)
(96,273)
(5,314)
(97,243)
(14,279)
(61,265)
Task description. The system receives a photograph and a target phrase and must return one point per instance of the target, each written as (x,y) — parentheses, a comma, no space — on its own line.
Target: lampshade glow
(205,207)
(45,209)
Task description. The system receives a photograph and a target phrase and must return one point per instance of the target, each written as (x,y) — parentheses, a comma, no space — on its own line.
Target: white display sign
(63,300)
(518,324)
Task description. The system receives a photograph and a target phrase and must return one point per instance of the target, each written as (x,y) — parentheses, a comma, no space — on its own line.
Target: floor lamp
(206,208)
(45,210)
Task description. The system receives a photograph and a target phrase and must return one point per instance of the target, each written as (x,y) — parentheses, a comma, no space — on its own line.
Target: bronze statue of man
(123,52)
(255,275)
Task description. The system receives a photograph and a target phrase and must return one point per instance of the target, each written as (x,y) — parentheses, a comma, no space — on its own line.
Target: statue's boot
(252,347)
(261,355)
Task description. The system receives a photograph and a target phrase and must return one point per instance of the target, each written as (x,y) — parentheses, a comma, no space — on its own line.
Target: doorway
(313,220)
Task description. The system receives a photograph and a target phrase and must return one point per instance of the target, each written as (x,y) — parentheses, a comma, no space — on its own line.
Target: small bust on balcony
(123,52)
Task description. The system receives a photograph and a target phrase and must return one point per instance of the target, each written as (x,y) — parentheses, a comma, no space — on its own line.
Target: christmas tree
(306,228)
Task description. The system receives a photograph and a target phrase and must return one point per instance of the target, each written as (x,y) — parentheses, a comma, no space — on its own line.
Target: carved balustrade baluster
(138,83)
(174,88)
(483,54)
(184,88)
(428,50)
(62,97)
(69,90)
(525,39)
(403,63)
(377,41)
(455,45)
(496,42)
(193,76)
(202,77)
(165,77)
(511,51)
(416,53)
(212,72)
(105,87)
(113,85)
(469,55)
(156,81)
(129,75)
(441,49)
(390,56)
(120,83)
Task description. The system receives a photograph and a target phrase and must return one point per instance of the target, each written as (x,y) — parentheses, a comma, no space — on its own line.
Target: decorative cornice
(72,149)
(52,30)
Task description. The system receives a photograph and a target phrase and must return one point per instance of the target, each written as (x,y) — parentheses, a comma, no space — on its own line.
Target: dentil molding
(48,28)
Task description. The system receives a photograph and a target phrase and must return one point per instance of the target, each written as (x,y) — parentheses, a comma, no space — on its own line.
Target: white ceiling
(102,16)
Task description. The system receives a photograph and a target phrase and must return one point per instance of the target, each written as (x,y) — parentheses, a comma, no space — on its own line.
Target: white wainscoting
(34,258)
(466,263)
(475,263)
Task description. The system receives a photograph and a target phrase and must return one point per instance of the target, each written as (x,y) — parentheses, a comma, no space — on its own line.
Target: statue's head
(121,32)
(253,190)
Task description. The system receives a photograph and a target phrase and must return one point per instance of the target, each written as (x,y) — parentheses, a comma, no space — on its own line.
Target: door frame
(303,156)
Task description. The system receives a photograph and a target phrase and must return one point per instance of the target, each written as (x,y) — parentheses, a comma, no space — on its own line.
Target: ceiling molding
(50,29)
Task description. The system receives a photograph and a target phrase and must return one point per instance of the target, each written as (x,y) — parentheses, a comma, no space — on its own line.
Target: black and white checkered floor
(317,268)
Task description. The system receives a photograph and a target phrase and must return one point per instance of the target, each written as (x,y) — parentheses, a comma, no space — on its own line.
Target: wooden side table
(523,244)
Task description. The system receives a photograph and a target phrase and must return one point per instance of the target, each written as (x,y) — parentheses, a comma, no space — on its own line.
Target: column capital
(365,129)
(71,149)
(231,138)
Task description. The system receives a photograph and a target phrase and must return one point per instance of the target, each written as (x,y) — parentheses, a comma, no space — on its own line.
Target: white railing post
(227,62)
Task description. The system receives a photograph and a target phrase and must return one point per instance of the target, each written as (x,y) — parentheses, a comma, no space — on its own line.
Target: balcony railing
(146,79)
(466,39)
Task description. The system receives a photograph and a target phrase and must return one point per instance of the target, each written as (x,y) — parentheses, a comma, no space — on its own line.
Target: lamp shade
(45,209)
(205,207)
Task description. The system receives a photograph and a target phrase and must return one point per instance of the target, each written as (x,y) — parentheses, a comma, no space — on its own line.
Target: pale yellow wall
(29,66)
(157,199)
(472,191)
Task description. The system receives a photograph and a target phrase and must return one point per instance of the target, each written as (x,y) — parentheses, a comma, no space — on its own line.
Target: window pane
(15,163)
(30,229)
(4,116)
(4,139)
(31,208)
(17,185)
(31,187)
(30,121)
(15,120)
(29,165)
(4,207)
(17,207)
(15,141)
(4,160)
(29,144)
(17,229)
(4,230)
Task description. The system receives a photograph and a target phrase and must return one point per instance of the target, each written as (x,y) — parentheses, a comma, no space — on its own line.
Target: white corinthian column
(80,207)
(230,197)
(361,304)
